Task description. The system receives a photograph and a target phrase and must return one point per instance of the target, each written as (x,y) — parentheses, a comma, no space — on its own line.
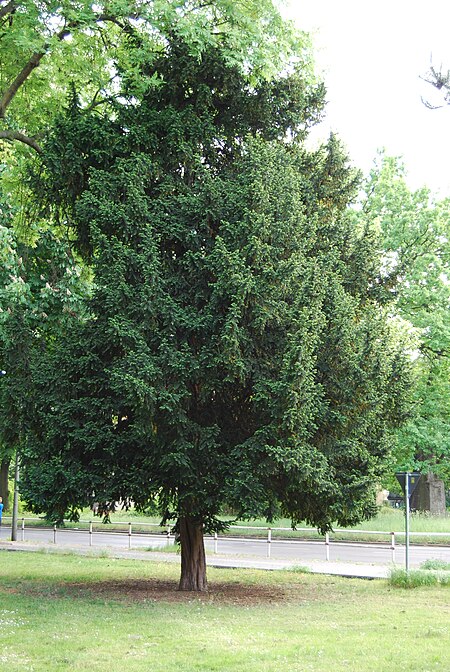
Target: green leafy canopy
(414,230)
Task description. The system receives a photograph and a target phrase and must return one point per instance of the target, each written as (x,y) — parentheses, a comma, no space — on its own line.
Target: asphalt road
(292,551)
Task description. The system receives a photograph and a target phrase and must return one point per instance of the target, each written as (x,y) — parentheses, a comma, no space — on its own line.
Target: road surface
(279,550)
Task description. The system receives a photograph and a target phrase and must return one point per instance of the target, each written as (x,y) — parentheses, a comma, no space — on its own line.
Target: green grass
(170,548)
(417,578)
(299,569)
(69,613)
(436,564)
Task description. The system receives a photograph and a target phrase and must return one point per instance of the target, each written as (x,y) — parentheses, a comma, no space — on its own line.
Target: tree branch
(38,56)
(8,8)
(439,80)
(19,80)
(429,105)
(25,73)
(21,137)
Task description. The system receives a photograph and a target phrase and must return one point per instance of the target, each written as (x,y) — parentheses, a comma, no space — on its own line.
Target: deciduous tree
(415,235)
(41,287)
(45,46)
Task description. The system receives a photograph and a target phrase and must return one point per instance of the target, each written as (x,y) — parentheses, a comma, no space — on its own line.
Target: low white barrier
(268,539)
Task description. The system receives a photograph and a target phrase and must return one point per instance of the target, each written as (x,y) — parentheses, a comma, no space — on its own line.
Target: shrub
(417,578)
(435,564)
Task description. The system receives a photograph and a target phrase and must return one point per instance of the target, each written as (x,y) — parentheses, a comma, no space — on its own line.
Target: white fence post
(393,547)
(390,547)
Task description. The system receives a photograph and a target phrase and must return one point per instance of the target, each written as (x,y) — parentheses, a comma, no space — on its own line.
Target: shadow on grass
(155,590)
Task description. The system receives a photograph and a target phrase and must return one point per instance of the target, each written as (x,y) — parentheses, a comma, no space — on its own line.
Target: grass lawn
(65,612)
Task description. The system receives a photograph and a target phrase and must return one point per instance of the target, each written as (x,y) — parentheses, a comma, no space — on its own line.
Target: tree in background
(41,287)
(45,46)
(440,80)
(415,234)
(235,352)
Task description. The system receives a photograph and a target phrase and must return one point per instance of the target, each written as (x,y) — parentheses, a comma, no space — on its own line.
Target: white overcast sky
(372,55)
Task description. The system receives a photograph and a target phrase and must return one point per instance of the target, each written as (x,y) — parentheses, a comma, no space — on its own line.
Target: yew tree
(46,48)
(234,352)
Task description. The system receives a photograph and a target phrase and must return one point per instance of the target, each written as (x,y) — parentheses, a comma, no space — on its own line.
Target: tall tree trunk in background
(429,495)
(4,492)
(193,560)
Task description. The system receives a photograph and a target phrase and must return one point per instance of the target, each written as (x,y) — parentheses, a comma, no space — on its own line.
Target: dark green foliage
(234,354)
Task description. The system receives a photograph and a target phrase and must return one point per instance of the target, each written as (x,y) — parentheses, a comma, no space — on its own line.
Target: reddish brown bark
(193,559)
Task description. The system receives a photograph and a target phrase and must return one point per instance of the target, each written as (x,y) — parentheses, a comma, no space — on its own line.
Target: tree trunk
(429,495)
(4,492)
(193,560)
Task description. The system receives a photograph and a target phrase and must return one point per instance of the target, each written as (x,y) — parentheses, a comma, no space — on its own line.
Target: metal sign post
(407,523)
(15,511)
(408,482)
